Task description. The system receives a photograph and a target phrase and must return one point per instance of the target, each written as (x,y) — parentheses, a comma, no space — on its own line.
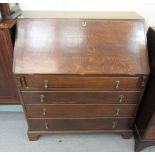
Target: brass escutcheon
(84,24)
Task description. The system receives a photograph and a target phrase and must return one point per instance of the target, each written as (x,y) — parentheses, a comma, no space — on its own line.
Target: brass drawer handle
(114,124)
(117,84)
(84,24)
(46,83)
(121,97)
(44,111)
(117,111)
(46,126)
(42,98)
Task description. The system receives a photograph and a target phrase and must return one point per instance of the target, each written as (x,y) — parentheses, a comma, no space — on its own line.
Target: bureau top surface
(80,46)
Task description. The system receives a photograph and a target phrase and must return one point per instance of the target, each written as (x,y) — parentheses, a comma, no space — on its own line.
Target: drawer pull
(117,84)
(114,125)
(44,112)
(84,24)
(46,126)
(46,83)
(117,111)
(42,98)
(121,97)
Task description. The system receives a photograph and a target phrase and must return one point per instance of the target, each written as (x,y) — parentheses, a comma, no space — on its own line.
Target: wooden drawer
(80,110)
(80,124)
(47,82)
(81,97)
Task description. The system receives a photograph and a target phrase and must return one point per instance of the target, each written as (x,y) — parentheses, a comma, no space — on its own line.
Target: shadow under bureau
(80,75)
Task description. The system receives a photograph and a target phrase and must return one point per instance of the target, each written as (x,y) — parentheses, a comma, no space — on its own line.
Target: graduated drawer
(70,124)
(81,97)
(47,82)
(80,110)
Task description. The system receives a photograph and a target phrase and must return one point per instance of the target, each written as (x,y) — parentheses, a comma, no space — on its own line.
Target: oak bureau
(79,74)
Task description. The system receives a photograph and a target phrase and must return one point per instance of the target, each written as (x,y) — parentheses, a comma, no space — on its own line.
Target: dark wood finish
(150,130)
(80,124)
(81,97)
(80,67)
(64,46)
(33,136)
(8,88)
(141,144)
(80,110)
(5,9)
(81,82)
(151,133)
(145,119)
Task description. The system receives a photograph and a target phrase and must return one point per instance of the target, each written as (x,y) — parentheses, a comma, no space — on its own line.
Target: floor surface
(13,138)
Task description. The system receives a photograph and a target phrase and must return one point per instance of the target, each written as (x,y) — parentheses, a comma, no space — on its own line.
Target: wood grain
(8,88)
(79,124)
(81,97)
(81,67)
(80,110)
(36,82)
(64,46)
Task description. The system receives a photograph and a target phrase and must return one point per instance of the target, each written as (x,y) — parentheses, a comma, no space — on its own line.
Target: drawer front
(105,83)
(77,110)
(80,124)
(81,97)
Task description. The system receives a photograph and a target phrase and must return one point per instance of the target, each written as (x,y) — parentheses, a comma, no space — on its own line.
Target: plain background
(145,8)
